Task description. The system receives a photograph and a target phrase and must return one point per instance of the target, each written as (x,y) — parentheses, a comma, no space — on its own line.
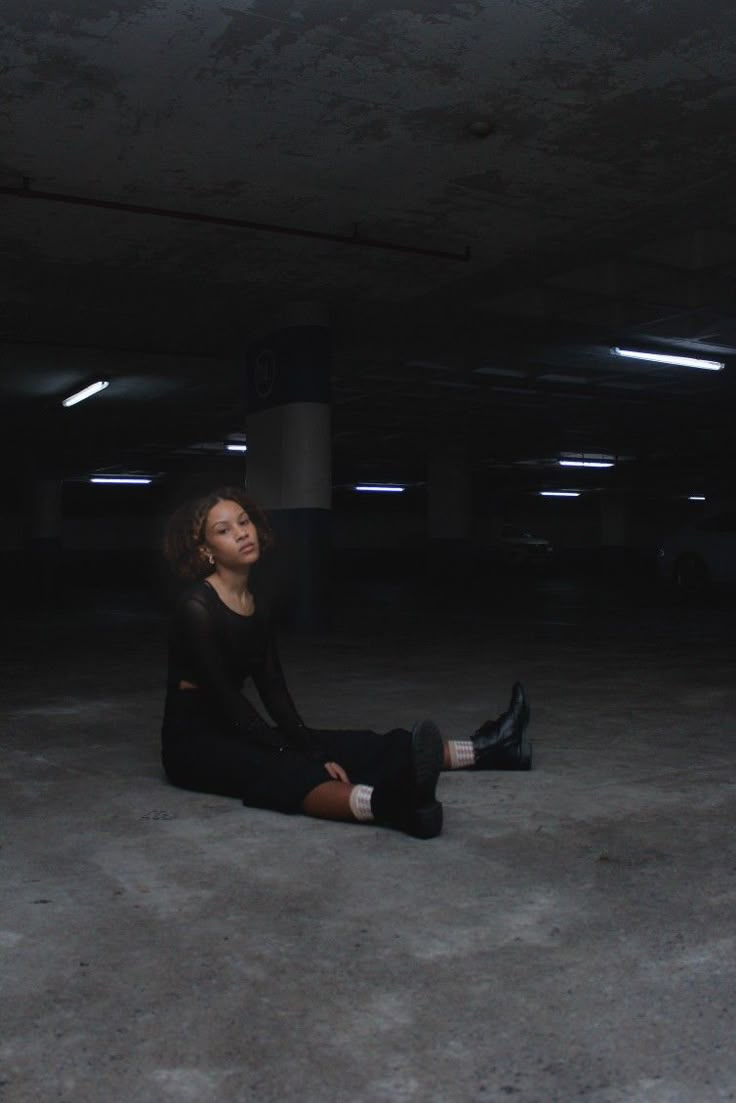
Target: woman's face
(230,537)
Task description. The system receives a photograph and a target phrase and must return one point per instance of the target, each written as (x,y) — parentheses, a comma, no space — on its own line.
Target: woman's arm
(271,685)
(270,682)
(195,627)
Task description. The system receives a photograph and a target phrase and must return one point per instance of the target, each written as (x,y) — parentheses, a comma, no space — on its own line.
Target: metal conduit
(27,192)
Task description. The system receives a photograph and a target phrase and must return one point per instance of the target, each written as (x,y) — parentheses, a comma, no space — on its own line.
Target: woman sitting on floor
(215,741)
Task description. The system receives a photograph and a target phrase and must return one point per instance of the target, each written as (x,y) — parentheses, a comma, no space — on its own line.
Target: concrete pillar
(44,537)
(289,461)
(613,521)
(449,508)
(615,532)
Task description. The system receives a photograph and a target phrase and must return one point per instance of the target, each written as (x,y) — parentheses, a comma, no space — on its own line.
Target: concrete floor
(570,936)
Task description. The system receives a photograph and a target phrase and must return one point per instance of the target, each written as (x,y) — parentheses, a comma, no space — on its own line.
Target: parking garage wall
(125,545)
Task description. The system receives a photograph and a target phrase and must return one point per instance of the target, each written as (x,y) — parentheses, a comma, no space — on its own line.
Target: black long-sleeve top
(217,649)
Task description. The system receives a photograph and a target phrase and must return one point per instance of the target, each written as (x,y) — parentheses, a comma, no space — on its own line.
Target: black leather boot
(501,744)
(408,803)
(518,757)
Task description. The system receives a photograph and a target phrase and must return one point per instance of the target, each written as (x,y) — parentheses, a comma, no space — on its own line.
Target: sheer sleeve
(197,630)
(270,682)
(271,685)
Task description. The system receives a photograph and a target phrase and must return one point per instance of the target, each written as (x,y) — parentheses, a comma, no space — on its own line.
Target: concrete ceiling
(543,181)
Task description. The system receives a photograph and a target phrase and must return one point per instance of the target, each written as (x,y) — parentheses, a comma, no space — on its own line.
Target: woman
(214,740)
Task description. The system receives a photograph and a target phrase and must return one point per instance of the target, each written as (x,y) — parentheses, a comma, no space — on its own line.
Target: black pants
(199,755)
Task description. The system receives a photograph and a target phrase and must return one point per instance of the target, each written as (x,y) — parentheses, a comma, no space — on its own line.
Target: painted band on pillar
(288,419)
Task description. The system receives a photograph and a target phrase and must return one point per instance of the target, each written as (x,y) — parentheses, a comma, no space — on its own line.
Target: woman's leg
(329,801)
(498,744)
(403,797)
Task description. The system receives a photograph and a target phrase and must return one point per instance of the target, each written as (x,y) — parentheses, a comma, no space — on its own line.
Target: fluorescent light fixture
(559,493)
(586,463)
(558,377)
(237,447)
(696,498)
(130,480)
(666,358)
(509,373)
(379,488)
(432,365)
(87,392)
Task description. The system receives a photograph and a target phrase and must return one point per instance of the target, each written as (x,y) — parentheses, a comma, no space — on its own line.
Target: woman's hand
(336,772)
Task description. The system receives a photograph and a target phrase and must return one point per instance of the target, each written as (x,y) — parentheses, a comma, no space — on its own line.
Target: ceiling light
(666,358)
(696,498)
(558,377)
(131,480)
(586,463)
(431,365)
(80,396)
(586,459)
(379,488)
(237,447)
(510,373)
(559,493)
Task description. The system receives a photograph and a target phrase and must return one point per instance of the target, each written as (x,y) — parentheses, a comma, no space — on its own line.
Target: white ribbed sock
(360,802)
(461,753)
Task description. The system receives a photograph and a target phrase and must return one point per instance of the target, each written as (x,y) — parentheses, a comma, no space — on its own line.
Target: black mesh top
(217,649)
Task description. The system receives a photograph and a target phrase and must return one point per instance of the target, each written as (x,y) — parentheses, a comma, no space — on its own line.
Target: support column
(616,552)
(44,537)
(289,460)
(449,509)
(614,521)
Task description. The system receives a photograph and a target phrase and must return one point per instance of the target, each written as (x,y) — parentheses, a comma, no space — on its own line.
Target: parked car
(701,555)
(520,548)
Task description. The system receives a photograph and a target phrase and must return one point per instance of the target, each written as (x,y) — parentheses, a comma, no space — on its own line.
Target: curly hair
(186,527)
